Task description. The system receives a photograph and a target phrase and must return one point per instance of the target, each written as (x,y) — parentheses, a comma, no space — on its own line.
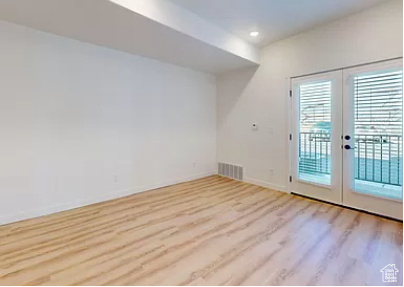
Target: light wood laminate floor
(210,231)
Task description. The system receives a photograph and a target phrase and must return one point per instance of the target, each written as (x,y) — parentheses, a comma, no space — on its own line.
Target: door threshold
(347,207)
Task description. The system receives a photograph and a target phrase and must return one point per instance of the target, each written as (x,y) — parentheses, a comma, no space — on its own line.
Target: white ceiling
(146,30)
(274,19)
(207,35)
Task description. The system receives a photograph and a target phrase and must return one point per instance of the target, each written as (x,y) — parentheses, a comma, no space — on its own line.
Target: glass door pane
(316,166)
(378,119)
(315,132)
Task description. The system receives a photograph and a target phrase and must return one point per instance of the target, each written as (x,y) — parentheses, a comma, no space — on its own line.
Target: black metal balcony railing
(378,158)
(314,153)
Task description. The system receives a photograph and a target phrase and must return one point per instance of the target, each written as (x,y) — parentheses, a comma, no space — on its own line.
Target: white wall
(81,123)
(250,95)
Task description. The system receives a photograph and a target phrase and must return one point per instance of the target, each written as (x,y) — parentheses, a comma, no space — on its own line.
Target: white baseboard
(266,184)
(88,201)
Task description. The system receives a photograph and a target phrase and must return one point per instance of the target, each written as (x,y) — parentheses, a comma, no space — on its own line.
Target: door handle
(347,146)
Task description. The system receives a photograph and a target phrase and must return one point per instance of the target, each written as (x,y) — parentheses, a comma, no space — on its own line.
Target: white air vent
(230,170)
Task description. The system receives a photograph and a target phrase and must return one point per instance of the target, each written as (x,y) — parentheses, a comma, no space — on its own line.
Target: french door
(347,143)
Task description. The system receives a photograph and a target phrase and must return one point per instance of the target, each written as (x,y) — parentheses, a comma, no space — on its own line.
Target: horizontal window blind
(315,131)
(378,127)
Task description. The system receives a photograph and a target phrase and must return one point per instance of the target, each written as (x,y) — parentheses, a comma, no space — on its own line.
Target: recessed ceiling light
(254,34)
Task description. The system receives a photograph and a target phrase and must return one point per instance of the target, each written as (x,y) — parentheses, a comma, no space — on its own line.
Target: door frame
(398,205)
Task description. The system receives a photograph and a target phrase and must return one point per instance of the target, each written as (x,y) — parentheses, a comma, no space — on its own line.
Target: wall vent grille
(231,170)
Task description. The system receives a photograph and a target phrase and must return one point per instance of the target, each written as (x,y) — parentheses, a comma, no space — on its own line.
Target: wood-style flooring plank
(210,231)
